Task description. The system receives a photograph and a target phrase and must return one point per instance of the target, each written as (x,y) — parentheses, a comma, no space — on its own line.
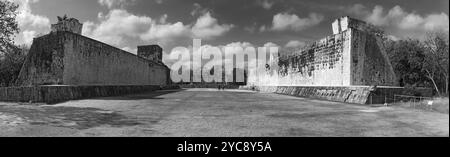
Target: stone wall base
(351,94)
(57,94)
(208,86)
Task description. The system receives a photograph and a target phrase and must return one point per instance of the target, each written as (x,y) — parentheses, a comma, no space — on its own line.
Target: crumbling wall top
(67,24)
(344,23)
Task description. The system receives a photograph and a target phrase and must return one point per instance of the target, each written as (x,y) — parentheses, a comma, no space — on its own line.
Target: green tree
(11,56)
(407,57)
(8,25)
(422,63)
(436,60)
(11,64)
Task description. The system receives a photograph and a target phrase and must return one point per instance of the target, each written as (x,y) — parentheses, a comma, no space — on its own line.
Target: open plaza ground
(209,112)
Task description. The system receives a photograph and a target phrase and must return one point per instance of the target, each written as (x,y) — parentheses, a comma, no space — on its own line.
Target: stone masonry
(69,25)
(349,66)
(64,65)
(65,57)
(150,52)
(353,56)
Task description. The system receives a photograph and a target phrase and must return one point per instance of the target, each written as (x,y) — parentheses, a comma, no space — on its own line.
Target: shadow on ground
(141,96)
(71,117)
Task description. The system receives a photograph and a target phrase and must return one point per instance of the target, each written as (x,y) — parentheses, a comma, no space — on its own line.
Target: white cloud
(208,27)
(404,20)
(378,18)
(28,36)
(401,23)
(163,19)
(88,28)
(166,32)
(295,44)
(392,37)
(285,21)
(117,25)
(270,44)
(436,21)
(30,24)
(115,3)
(410,21)
(240,44)
(27,18)
(262,28)
(159,1)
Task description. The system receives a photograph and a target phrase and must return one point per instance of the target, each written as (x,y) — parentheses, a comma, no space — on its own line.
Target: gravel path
(208,112)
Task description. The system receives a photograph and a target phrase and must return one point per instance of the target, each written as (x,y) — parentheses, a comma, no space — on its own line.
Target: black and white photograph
(224,69)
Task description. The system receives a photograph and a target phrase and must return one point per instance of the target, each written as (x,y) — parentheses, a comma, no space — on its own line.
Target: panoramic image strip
(220,68)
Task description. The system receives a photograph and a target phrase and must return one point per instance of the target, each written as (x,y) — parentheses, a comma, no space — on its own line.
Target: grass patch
(440,104)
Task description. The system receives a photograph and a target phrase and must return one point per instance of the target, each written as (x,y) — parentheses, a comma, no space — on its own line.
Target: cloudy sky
(285,23)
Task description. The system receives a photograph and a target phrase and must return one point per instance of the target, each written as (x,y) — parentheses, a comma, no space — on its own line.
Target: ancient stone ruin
(353,56)
(65,57)
(349,66)
(65,65)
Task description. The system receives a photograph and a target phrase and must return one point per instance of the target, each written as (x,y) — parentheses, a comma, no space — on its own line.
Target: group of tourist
(221,87)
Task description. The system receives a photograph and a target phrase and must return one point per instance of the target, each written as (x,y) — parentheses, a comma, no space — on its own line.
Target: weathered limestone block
(65,58)
(56,94)
(353,56)
(151,52)
(357,95)
(67,24)
(351,94)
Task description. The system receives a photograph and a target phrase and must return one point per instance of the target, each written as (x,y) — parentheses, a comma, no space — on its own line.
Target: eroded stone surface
(353,56)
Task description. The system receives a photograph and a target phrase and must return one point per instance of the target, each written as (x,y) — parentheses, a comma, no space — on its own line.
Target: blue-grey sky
(286,23)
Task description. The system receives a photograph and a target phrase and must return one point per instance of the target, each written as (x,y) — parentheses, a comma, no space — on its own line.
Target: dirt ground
(209,112)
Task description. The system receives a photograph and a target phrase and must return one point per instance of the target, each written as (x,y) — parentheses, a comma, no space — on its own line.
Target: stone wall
(65,58)
(356,95)
(324,63)
(370,64)
(349,66)
(151,52)
(215,86)
(353,56)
